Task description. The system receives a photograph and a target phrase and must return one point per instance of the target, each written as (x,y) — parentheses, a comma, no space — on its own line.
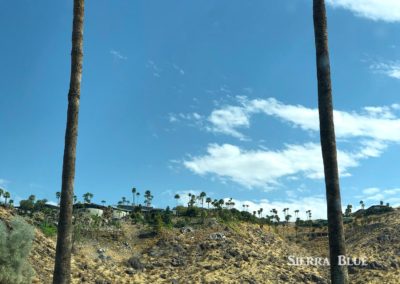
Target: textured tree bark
(328,145)
(62,267)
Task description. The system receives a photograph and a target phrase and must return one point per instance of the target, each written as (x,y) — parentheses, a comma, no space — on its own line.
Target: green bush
(48,230)
(137,218)
(180,224)
(193,211)
(15,246)
(158,224)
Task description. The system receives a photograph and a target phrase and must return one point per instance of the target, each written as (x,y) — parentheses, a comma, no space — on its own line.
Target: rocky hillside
(218,253)
(376,239)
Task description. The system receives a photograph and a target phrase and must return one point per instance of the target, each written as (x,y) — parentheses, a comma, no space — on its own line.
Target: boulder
(186,229)
(217,236)
(135,263)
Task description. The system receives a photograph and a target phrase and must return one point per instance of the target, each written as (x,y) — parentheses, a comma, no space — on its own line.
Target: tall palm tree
(208,201)
(87,197)
(148,198)
(6,196)
(177,196)
(62,266)
(201,196)
(328,145)
(133,196)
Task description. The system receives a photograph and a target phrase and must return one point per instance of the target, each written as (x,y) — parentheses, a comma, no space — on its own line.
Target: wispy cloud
(228,119)
(391,68)
(179,69)
(377,122)
(266,168)
(154,68)
(192,119)
(116,54)
(377,10)
(374,195)
(370,131)
(4,183)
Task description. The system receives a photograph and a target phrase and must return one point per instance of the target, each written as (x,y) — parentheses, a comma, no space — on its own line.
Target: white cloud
(391,69)
(227,119)
(3,183)
(377,123)
(179,69)
(184,196)
(154,68)
(374,195)
(384,10)
(371,190)
(263,168)
(371,131)
(118,55)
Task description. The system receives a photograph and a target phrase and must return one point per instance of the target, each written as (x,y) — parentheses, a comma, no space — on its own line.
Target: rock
(254,254)
(227,256)
(135,263)
(376,265)
(318,279)
(284,277)
(102,281)
(130,271)
(147,235)
(233,252)
(163,276)
(177,261)
(204,246)
(155,253)
(186,229)
(101,250)
(174,281)
(395,265)
(217,236)
(384,238)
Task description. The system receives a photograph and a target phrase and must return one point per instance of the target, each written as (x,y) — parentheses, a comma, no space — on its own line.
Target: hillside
(217,253)
(375,238)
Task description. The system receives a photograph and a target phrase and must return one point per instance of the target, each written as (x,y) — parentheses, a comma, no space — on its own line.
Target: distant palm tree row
(87,198)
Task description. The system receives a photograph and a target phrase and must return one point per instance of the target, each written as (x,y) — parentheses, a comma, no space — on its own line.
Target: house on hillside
(119,213)
(89,209)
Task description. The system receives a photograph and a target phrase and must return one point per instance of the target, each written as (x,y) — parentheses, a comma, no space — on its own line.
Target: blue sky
(214,96)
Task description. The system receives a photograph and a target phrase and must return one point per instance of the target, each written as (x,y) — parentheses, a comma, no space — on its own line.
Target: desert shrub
(180,210)
(180,223)
(158,223)
(225,215)
(137,217)
(48,230)
(167,217)
(15,245)
(193,211)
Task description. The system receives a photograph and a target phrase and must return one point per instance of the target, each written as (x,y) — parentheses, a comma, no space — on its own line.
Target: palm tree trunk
(328,144)
(62,268)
